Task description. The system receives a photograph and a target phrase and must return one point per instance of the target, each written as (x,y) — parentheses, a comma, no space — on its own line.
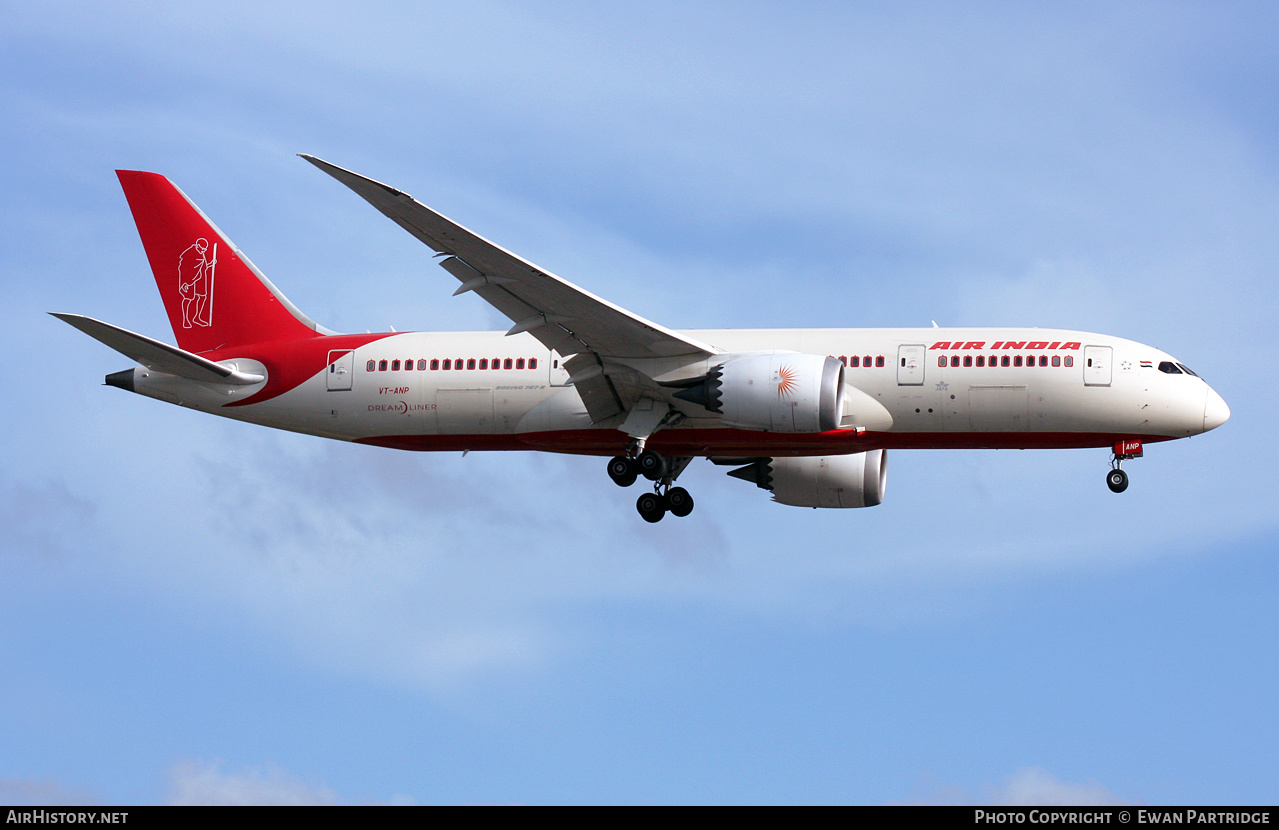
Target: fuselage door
(910,364)
(341,370)
(558,375)
(1097,365)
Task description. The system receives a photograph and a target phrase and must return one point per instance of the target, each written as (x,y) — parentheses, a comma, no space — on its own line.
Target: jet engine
(773,392)
(855,480)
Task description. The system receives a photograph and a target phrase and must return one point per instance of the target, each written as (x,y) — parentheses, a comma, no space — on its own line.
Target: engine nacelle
(774,392)
(855,480)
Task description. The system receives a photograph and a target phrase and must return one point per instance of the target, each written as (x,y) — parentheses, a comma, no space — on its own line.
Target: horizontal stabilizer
(157,356)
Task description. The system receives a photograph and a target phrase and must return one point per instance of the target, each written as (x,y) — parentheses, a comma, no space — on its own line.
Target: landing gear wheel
(679,501)
(622,470)
(651,465)
(1117,481)
(651,507)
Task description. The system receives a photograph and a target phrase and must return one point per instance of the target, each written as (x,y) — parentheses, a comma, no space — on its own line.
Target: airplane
(805,414)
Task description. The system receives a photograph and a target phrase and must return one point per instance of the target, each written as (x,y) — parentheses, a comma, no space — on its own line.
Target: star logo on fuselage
(942,386)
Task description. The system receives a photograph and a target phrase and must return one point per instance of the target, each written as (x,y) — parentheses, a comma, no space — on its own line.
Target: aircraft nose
(1216,412)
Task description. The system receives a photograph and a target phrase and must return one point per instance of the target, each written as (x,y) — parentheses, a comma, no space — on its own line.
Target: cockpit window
(1183,367)
(1169,368)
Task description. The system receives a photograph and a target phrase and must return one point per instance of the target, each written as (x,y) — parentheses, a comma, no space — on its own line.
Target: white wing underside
(598,337)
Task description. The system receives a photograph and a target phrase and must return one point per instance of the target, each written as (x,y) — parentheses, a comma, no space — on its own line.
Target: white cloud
(203,783)
(43,792)
(1035,786)
(25,508)
(1027,787)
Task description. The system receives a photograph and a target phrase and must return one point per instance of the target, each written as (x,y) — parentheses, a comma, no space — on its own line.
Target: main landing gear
(1117,479)
(665,498)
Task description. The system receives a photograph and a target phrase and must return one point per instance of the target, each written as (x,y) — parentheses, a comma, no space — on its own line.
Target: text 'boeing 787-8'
(807,414)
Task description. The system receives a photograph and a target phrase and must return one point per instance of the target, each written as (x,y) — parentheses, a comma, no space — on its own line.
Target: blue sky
(196,610)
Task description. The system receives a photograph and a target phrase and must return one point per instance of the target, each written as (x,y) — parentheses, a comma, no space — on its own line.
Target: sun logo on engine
(786,382)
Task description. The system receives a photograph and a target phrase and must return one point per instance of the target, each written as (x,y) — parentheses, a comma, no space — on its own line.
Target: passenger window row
(451,364)
(857,361)
(1006,360)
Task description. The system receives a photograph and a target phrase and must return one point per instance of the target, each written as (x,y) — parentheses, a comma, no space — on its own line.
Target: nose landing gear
(1117,479)
(665,498)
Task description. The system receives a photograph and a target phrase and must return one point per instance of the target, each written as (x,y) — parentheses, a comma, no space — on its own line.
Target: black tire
(651,465)
(679,502)
(622,470)
(1117,481)
(651,507)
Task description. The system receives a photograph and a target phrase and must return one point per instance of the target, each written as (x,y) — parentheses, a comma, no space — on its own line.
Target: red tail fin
(215,297)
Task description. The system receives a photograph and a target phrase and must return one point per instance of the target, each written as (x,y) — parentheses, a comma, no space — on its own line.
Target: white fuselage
(942,388)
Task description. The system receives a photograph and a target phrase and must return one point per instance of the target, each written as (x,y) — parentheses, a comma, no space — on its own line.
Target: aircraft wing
(562,316)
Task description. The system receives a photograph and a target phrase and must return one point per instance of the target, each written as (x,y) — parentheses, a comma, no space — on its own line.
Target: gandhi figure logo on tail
(195,283)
